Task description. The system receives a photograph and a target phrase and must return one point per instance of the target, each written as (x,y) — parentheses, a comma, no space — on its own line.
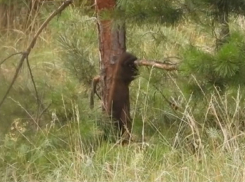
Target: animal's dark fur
(124,73)
(95,82)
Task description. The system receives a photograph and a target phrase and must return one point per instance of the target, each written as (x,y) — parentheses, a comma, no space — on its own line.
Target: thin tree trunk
(112,46)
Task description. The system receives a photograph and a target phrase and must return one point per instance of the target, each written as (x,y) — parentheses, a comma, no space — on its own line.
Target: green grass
(76,152)
(202,141)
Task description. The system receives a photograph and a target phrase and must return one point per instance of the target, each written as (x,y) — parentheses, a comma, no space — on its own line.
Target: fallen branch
(26,53)
(157,64)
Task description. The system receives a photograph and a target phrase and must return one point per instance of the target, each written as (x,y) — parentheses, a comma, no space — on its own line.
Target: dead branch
(157,64)
(26,53)
(166,65)
(10,57)
(32,79)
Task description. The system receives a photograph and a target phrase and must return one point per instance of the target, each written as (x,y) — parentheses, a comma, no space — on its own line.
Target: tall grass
(77,152)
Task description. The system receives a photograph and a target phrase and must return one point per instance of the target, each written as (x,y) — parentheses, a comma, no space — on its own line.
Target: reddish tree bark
(112,46)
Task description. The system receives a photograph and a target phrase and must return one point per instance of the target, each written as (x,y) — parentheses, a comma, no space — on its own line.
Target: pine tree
(150,12)
(219,11)
(111,15)
(224,68)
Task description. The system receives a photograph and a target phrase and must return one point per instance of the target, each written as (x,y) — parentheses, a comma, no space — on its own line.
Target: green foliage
(58,91)
(229,61)
(13,2)
(144,11)
(223,69)
(15,105)
(78,47)
(49,148)
(214,8)
(76,59)
(235,6)
(75,152)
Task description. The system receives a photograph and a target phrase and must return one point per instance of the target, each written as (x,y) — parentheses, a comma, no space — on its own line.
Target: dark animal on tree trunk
(118,104)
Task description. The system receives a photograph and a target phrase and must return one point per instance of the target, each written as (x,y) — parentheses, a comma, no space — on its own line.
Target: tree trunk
(112,46)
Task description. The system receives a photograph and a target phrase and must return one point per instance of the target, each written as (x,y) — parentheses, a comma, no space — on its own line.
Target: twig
(32,79)
(44,110)
(157,64)
(32,44)
(13,80)
(10,57)
(24,109)
(172,105)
